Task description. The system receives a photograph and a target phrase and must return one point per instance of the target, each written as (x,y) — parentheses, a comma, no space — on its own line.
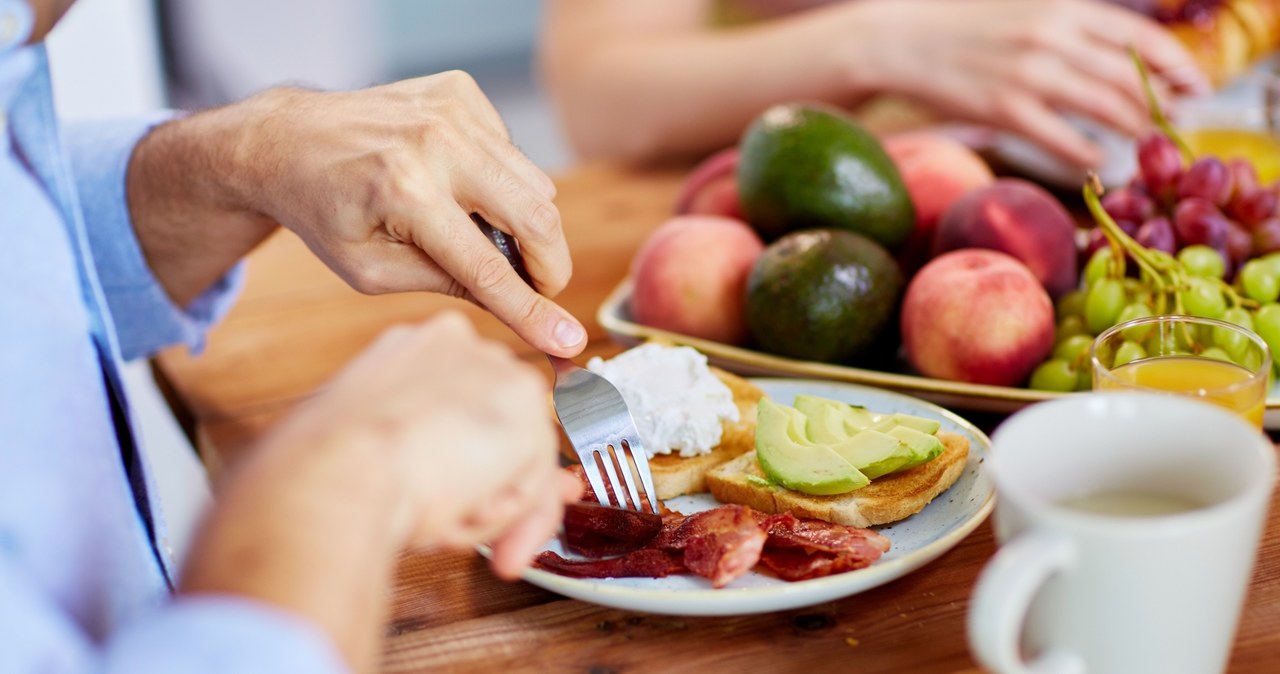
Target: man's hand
(433,437)
(380,183)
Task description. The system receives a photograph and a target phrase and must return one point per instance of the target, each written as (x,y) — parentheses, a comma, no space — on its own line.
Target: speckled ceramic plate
(916,540)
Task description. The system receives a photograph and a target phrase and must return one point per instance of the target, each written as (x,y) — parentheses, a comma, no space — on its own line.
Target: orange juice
(1258,147)
(1221,382)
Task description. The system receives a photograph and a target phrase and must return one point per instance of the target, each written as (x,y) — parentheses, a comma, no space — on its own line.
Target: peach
(937,171)
(1019,218)
(690,277)
(712,187)
(977,316)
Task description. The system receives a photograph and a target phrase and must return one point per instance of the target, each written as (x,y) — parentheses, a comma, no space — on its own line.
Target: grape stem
(1121,243)
(1157,113)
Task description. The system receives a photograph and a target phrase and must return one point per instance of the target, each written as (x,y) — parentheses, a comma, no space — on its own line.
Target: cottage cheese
(677,404)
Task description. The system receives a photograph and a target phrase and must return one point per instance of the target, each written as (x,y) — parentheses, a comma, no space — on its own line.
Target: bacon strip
(597,531)
(723,543)
(642,563)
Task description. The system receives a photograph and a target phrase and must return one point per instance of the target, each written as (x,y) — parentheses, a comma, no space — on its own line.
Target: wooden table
(297,324)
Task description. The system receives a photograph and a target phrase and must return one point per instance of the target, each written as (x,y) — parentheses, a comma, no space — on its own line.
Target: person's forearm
(656,95)
(186,206)
(310,525)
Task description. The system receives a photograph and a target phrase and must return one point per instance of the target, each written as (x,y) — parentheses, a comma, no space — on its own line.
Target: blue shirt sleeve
(187,635)
(145,319)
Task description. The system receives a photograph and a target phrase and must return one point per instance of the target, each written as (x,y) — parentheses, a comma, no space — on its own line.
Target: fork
(593,415)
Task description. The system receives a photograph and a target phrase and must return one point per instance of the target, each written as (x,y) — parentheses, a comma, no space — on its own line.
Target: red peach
(712,187)
(937,171)
(690,276)
(1019,218)
(977,316)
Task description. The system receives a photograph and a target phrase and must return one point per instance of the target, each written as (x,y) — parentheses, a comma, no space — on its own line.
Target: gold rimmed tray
(615,316)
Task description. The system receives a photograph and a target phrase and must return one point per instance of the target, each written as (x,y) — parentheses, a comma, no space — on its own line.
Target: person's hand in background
(379,183)
(433,437)
(1019,66)
(615,67)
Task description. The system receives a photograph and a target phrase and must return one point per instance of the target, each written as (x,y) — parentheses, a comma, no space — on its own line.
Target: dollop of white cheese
(678,405)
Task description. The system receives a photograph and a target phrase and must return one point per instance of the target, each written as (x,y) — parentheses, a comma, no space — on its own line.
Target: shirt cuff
(144,317)
(210,633)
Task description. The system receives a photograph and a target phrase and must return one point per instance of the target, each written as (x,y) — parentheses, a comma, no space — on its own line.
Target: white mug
(1089,579)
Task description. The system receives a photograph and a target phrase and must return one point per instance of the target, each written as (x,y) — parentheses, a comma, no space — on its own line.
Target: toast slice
(887,499)
(675,475)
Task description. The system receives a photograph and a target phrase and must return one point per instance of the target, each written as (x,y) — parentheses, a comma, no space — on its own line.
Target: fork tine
(592,469)
(609,460)
(646,477)
(627,463)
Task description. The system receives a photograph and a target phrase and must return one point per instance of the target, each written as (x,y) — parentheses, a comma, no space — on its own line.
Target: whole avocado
(808,166)
(822,295)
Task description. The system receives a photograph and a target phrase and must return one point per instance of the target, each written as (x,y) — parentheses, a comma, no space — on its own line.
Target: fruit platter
(813,248)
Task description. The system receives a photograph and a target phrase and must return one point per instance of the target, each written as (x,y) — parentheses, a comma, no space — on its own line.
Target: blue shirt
(84,587)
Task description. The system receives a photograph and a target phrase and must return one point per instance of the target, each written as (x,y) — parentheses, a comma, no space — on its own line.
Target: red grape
(1239,246)
(1243,175)
(1157,234)
(1160,163)
(1127,204)
(1252,207)
(1196,220)
(1207,178)
(1095,240)
(1266,237)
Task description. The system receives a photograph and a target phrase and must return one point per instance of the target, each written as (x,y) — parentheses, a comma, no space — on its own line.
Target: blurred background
(113,58)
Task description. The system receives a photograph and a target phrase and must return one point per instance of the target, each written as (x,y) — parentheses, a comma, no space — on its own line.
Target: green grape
(1232,341)
(1103,303)
(1260,281)
(1216,354)
(1165,343)
(1128,352)
(1201,260)
(1099,265)
(1073,349)
(1084,378)
(1054,374)
(1272,260)
(1202,297)
(1071,304)
(1069,327)
(1266,322)
(1133,311)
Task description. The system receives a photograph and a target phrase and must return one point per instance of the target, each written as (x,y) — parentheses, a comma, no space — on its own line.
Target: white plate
(917,540)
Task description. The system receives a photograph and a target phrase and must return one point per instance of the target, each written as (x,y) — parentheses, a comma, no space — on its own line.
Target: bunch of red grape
(1169,206)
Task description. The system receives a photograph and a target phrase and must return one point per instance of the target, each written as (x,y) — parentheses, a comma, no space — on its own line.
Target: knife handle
(507,245)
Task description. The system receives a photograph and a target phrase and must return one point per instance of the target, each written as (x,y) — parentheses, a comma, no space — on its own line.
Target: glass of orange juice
(1203,358)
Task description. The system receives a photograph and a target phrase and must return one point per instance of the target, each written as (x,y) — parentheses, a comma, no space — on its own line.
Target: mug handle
(1002,597)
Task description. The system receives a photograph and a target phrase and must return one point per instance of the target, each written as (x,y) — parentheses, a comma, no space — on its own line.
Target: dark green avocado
(808,166)
(822,295)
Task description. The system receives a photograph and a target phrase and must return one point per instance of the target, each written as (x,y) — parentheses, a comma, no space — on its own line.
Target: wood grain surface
(297,323)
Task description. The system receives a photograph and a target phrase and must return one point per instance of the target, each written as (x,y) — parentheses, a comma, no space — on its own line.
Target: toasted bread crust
(887,499)
(675,475)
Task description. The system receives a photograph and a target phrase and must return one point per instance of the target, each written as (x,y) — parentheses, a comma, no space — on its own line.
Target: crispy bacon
(722,544)
(799,549)
(593,530)
(642,563)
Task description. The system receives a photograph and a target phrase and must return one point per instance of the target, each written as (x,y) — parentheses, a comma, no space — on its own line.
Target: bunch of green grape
(1191,284)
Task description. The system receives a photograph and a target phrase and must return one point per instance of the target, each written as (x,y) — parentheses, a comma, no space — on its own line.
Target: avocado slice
(929,426)
(788,457)
(875,453)
(923,446)
(833,420)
